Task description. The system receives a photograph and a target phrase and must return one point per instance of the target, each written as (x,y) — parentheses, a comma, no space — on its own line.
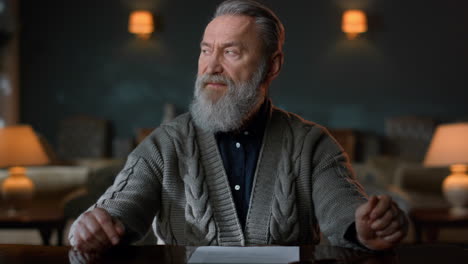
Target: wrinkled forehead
(231,28)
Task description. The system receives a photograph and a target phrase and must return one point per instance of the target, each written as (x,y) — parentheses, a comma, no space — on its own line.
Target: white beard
(231,110)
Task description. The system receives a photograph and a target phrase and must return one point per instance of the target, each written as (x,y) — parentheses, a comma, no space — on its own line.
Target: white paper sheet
(271,255)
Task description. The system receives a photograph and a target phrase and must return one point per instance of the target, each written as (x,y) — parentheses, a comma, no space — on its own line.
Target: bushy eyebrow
(224,45)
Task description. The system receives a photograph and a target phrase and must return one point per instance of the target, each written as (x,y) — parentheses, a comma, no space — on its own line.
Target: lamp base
(17,190)
(455,188)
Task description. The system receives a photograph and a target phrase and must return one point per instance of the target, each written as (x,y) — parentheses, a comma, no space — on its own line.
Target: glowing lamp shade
(354,22)
(19,146)
(449,147)
(141,23)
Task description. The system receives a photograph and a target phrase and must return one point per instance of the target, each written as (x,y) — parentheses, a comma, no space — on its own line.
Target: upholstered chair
(83,137)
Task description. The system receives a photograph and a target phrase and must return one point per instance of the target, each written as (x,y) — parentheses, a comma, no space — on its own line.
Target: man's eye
(205,51)
(230,52)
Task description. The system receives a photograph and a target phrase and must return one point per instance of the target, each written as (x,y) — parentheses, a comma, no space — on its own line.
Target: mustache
(214,78)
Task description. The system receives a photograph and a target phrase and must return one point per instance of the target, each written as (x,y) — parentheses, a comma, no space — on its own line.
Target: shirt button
(246,133)
(237,145)
(237,187)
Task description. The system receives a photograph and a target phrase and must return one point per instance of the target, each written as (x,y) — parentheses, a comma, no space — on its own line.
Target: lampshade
(141,23)
(354,22)
(19,146)
(449,145)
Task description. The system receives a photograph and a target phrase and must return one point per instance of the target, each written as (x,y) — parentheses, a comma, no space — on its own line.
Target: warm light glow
(17,187)
(141,23)
(19,146)
(354,22)
(449,146)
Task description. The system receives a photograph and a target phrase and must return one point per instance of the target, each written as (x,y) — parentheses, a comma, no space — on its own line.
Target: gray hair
(270,27)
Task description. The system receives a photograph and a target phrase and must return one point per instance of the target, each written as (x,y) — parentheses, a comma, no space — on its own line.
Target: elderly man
(236,170)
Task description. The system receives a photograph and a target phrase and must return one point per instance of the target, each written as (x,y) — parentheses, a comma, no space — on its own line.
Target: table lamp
(449,147)
(19,146)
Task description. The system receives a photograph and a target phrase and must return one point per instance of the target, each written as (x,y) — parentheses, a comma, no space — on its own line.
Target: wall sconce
(354,23)
(141,23)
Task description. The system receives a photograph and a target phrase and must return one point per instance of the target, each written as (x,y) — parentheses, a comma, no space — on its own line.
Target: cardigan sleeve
(336,194)
(135,196)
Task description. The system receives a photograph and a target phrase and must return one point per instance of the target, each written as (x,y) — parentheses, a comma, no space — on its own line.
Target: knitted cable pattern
(317,184)
(162,227)
(200,227)
(284,226)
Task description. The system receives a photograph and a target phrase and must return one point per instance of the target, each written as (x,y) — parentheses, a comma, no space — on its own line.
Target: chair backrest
(83,137)
(409,136)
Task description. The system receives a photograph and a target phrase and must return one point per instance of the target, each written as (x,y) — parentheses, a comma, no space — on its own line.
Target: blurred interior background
(92,90)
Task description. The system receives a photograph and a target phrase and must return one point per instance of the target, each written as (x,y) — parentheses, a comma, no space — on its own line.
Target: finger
(72,236)
(384,204)
(107,225)
(363,211)
(82,246)
(77,238)
(395,237)
(74,256)
(383,222)
(83,238)
(119,226)
(392,228)
(79,257)
(72,240)
(93,236)
(96,231)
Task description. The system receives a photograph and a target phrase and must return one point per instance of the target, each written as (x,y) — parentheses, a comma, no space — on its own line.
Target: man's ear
(276,62)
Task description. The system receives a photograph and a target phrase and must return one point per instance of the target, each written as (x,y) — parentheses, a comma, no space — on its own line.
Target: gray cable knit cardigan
(303,181)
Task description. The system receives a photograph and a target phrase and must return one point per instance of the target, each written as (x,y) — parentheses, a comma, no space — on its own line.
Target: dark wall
(77,57)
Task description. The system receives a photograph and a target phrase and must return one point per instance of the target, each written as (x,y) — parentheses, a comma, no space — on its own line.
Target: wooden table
(430,220)
(176,254)
(43,213)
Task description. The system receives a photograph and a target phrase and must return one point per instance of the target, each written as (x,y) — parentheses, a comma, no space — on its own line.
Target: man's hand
(95,231)
(380,224)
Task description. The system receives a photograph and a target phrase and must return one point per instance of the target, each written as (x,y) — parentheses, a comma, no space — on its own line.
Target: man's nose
(214,66)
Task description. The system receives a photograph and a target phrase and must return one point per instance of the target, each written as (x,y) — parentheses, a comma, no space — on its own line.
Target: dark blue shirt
(239,151)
